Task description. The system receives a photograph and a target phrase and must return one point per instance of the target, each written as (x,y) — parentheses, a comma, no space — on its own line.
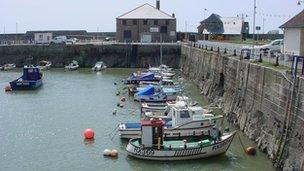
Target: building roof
(145,11)
(296,22)
(216,24)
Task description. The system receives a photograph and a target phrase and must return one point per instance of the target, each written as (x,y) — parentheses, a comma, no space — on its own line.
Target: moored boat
(135,78)
(181,121)
(72,66)
(99,66)
(151,94)
(44,65)
(152,145)
(30,80)
(7,67)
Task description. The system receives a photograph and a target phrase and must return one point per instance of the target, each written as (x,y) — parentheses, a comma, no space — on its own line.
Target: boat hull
(25,85)
(182,153)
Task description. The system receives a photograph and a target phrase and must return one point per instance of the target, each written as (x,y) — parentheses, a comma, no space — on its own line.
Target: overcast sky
(91,14)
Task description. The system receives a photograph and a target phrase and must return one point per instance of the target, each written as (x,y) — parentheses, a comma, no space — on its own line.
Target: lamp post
(205,9)
(253,35)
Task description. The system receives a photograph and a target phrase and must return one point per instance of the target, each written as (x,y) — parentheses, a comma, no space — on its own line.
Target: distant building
(294,35)
(43,38)
(146,23)
(223,28)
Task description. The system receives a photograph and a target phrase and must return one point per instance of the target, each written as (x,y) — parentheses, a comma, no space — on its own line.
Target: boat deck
(177,144)
(138,125)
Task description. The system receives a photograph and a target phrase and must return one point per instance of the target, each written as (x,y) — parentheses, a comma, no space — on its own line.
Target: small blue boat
(30,80)
(149,94)
(147,76)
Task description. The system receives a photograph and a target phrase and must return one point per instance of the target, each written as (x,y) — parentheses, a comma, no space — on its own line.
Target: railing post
(211,48)
(206,47)
(234,52)
(218,49)
(225,51)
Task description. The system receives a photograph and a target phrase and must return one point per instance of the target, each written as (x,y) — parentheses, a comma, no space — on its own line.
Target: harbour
(45,130)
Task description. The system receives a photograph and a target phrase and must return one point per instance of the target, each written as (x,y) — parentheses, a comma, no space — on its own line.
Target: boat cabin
(181,113)
(152,132)
(31,73)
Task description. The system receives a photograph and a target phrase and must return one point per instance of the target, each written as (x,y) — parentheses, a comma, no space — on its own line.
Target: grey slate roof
(296,22)
(145,11)
(216,24)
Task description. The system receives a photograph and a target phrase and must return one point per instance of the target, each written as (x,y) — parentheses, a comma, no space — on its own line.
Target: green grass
(271,65)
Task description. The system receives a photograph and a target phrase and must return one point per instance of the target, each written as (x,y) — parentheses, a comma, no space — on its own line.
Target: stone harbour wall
(266,104)
(114,55)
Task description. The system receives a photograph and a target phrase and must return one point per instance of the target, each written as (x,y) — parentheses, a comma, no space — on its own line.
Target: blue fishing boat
(135,78)
(151,94)
(31,79)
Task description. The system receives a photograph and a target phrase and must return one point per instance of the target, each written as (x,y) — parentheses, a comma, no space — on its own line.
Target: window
(145,22)
(134,22)
(163,29)
(127,34)
(184,114)
(155,22)
(124,22)
(167,22)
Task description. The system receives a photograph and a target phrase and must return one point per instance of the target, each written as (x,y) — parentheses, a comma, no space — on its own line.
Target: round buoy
(123,99)
(226,129)
(117,93)
(107,152)
(118,104)
(121,105)
(7,88)
(115,83)
(114,153)
(114,112)
(89,133)
(251,151)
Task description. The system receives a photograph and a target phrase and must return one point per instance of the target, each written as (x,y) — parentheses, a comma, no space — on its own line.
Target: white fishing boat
(161,108)
(72,66)
(44,65)
(181,122)
(7,67)
(152,144)
(99,66)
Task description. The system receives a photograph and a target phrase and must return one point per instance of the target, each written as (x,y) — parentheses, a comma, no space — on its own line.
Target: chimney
(158,4)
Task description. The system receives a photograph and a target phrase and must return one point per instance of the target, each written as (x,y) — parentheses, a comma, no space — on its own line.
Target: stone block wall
(266,104)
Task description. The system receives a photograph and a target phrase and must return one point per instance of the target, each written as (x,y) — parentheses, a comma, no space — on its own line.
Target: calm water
(42,130)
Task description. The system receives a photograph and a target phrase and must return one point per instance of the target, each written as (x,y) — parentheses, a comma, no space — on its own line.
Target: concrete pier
(114,55)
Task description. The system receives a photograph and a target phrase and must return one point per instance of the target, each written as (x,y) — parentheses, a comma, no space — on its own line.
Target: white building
(294,35)
(43,37)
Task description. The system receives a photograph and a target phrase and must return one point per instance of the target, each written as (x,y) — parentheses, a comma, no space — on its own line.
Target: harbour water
(42,130)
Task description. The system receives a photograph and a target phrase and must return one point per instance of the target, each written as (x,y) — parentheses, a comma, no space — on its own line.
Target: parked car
(272,47)
(63,40)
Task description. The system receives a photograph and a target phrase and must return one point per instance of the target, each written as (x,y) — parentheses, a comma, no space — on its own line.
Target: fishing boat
(7,67)
(30,80)
(149,94)
(44,65)
(153,146)
(72,66)
(99,66)
(135,78)
(181,122)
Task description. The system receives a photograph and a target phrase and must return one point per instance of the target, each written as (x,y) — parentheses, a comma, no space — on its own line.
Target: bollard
(277,61)
(211,48)
(218,49)
(225,51)
(206,47)
(234,52)
(260,58)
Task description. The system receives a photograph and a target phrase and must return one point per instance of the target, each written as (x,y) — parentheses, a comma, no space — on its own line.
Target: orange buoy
(123,99)
(251,151)
(7,88)
(88,133)
(114,153)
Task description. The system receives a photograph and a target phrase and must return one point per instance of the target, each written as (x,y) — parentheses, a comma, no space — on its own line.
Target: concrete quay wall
(114,55)
(265,103)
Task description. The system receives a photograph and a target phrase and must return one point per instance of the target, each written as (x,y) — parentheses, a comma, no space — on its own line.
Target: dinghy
(72,66)
(99,66)
(44,65)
